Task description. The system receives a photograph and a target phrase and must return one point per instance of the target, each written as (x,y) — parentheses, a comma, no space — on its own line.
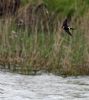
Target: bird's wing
(65,23)
(67,31)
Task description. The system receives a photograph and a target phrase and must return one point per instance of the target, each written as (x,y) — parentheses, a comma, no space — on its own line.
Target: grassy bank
(54,52)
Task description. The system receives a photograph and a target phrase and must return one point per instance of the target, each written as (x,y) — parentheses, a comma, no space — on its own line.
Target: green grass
(57,52)
(53,53)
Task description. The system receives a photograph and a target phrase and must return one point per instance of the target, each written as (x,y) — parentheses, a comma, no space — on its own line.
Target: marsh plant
(40,46)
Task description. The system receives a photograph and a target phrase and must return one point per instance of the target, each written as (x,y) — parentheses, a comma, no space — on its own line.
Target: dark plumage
(66,27)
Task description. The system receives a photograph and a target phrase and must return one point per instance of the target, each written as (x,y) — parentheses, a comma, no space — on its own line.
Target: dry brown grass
(55,52)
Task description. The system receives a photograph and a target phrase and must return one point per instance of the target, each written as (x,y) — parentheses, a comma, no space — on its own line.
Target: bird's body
(66,27)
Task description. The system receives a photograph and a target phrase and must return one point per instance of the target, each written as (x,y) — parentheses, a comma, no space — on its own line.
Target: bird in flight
(66,27)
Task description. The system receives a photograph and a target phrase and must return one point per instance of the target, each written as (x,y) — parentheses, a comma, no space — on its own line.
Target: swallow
(66,27)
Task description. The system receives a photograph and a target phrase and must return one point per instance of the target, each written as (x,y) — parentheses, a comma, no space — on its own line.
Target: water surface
(43,87)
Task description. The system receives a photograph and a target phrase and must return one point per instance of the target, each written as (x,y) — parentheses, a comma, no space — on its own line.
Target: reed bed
(53,51)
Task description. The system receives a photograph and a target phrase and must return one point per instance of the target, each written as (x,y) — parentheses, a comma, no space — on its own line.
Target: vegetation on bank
(52,51)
